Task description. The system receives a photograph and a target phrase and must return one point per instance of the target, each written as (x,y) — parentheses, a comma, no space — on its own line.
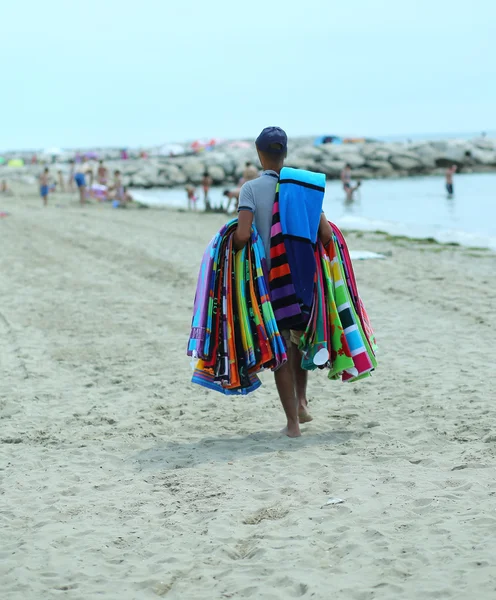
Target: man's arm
(325,230)
(243,232)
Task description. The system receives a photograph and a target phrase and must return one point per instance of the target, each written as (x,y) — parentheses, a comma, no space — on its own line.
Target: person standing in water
(44,184)
(206,184)
(347,185)
(449,180)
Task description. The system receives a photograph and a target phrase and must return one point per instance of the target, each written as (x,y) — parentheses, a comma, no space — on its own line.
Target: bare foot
(304,416)
(292,430)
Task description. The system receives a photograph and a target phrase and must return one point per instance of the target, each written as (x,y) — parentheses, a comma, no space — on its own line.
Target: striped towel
(295,224)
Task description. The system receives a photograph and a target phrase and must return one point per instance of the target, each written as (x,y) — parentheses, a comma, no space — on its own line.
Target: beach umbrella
(92,155)
(2,160)
(16,162)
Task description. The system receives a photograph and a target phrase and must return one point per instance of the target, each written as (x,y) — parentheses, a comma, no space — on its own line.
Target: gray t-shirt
(258,196)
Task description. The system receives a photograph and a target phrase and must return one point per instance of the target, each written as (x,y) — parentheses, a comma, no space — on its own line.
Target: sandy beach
(119,479)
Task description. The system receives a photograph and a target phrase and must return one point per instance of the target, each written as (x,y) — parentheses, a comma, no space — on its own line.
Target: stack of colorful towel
(236,327)
(234,334)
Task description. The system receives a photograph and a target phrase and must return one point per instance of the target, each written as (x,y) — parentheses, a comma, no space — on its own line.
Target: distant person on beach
(70,179)
(61,181)
(347,184)
(232,195)
(118,187)
(192,198)
(206,184)
(80,179)
(44,185)
(101,173)
(250,172)
(4,188)
(449,180)
(256,201)
(90,176)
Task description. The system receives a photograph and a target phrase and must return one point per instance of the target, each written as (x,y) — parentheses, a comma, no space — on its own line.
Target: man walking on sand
(256,202)
(449,180)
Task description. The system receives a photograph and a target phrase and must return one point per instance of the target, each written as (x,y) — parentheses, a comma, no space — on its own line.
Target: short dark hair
(226,192)
(348,166)
(205,173)
(117,172)
(248,163)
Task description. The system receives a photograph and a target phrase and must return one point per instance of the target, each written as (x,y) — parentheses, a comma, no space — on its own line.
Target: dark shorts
(449,188)
(43,190)
(347,186)
(80,179)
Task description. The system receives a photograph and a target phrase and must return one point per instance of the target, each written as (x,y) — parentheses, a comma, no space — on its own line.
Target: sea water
(414,207)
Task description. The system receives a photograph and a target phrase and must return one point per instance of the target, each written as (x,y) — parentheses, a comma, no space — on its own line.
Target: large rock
(217,174)
(332,168)
(174,175)
(359,174)
(298,162)
(385,167)
(483,157)
(307,153)
(194,171)
(405,163)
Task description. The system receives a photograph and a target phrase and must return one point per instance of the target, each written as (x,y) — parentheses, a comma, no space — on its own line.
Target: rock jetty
(225,163)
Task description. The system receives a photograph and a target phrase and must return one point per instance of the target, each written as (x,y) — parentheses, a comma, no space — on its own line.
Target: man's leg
(300,377)
(286,388)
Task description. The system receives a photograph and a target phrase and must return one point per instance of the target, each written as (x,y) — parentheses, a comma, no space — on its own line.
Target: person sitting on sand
(347,185)
(192,198)
(256,201)
(232,195)
(449,180)
(44,185)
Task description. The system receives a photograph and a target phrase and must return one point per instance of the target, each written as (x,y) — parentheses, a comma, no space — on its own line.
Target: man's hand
(243,232)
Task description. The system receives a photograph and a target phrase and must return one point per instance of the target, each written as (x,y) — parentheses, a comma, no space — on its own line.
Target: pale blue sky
(132,72)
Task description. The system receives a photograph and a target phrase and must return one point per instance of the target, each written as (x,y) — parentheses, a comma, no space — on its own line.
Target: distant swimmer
(449,180)
(347,184)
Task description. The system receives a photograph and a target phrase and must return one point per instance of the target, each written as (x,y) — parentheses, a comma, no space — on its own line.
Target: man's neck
(276,170)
